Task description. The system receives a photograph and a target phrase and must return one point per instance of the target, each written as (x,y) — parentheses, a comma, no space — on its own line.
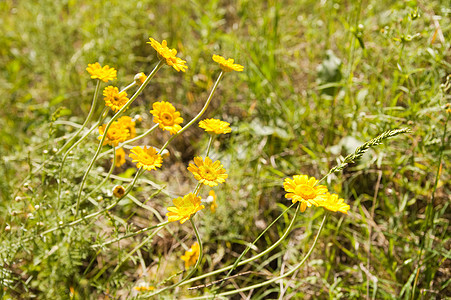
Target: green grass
(320,78)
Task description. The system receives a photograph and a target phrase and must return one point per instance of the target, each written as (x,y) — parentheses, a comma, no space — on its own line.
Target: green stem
(238,263)
(210,142)
(130,101)
(194,269)
(102,117)
(294,269)
(88,118)
(128,86)
(113,165)
(198,115)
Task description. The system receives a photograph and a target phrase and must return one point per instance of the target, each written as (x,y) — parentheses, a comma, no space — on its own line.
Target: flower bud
(118,191)
(140,78)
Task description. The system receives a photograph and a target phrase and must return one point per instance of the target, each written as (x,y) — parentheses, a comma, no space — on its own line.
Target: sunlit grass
(320,78)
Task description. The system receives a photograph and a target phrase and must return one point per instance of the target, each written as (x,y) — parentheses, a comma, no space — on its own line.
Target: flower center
(305,191)
(167,118)
(148,159)
(207,173)
(116,98)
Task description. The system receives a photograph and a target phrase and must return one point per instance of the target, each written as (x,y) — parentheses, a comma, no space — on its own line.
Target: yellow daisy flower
(120,157)
(118,191)
(116,134)
(166,116)
(208,172)
(140,78)
(302,189)
(184,208)
(227,65)
(215,126)
(128,123)
(113,98)
(103,73)
(212,199)
(190,257)
(147,158)
(333,203)
(168,55)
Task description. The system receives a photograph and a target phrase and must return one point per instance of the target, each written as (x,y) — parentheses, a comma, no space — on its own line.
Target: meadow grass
(320,78)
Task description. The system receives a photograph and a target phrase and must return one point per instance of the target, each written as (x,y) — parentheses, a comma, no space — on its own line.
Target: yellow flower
(215,126)
(302,189)
(333,203)
(116,134)
(212,199)
(190,257)
(227,65)
(140,78)
(168,55)
(209,173)
(129,124)
(120,157)
(103,73)
(184,208)
(113,98)
(166,116)
(118,191)
(142,288)
(147,158)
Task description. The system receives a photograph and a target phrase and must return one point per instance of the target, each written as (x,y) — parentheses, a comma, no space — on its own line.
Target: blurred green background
(319,79)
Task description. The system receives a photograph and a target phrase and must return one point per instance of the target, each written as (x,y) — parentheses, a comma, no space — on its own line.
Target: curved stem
(199,241)
(198,115)
(102,117)
(88,118)
(128,86)
(130,101)
(294,269)
(113,165)
(285,234)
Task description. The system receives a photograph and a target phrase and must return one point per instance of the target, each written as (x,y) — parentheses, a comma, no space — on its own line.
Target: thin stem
(261,234)
(113,165)
(210,142)
(294,269)
(102,117)
(128,86)
(194,269)
(88,118)
(130,101)
(198,115)
(277,243)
